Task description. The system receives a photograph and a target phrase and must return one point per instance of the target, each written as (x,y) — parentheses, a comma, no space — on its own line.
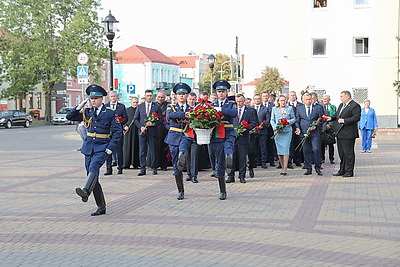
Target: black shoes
(332,162)
(141,173)
(308,173)
(181,161)
(188,178)
(83,193)
(108,172)
(222,196)
(155,172)
(347,175)
(194,180)
(338,174)
(290,166)
(230,180)
(264,165)
(242,180)
(213,175)
(272,164)
(319,173)
(120,171)
(181,195)
(298,164)
(100,211)
(283,173)
(251,173)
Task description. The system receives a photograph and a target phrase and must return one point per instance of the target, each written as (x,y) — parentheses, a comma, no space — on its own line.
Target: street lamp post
(110,28)
(221,68)
(211,61)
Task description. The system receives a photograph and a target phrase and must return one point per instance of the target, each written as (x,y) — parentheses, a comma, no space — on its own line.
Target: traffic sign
(83,58)
(83,80)
(82,72)
(131,89)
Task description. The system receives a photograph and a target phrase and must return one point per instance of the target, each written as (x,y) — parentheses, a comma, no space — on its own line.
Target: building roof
(186,61)
(252,83)
(140,54)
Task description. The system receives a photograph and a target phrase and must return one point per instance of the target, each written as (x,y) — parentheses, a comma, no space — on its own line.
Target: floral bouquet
(241,128)
(282,123)
(373,134)
(203,116)
(257,128)
(310,128)
(151,118)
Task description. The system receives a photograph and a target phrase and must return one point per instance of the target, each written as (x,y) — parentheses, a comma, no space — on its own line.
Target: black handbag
(328,138)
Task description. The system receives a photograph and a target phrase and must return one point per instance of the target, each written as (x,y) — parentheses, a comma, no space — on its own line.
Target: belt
(176,129)
(98,135)
(228,125)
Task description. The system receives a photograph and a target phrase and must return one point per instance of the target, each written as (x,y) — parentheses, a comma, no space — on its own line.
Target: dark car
(10,118)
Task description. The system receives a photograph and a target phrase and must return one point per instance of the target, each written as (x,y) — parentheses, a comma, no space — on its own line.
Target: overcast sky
(176,27)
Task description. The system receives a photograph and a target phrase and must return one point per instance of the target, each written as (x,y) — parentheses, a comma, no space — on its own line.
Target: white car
(61,116)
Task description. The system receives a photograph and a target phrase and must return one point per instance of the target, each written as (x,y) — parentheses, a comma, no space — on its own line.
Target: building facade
(347,45)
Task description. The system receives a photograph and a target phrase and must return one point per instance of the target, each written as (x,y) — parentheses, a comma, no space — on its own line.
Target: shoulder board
(231,101)
(172,107)
(109,108)
(234,105)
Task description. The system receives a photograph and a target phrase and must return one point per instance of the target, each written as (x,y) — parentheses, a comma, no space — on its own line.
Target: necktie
(182,107)
(308,111)
(113,106)
(257,108)
(240,114)
(220,104)
(95,112)
(148,110)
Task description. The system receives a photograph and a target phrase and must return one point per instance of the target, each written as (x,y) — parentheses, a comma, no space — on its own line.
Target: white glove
(108,151)
(80,106)
(218,109)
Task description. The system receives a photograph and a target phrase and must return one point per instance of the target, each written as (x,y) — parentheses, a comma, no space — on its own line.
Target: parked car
(10,118)
(61,116)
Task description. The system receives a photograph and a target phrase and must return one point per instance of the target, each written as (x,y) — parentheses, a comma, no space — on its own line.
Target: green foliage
(271,81)
(41,41)
(223,61)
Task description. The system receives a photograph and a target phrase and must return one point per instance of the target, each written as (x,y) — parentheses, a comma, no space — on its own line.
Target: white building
(347,45)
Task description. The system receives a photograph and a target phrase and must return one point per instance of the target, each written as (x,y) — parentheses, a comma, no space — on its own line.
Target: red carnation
(121,120)
(199,116)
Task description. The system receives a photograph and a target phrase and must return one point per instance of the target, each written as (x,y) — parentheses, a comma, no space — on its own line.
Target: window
(319,47)
(320,3)
(361,46)
(39,100)
(360,95)
(31,101)
(362,3)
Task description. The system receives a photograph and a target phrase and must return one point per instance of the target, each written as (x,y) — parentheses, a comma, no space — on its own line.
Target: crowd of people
(262,131)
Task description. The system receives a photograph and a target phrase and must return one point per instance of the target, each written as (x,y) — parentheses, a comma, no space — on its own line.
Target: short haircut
(192,94)
(113,92)
(346,93)
(148,91)
(204,93)
(240,95)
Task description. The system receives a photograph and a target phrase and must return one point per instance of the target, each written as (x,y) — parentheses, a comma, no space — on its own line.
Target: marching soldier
(176,139)
(100,121)
(221,147)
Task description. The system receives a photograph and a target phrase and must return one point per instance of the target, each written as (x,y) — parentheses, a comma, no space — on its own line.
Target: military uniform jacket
(175,117)
(230,111)
(105,123)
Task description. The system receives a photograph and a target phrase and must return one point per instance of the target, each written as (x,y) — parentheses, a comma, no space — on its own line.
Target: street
(271,220)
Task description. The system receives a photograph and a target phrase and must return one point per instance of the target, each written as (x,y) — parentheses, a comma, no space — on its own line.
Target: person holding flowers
(310,119)
(223,137)
(246,120)
(148,116)
(282,117)
(180,136)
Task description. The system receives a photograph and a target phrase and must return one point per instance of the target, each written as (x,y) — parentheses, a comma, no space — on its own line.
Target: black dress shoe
(114,164)
(290,166)
(213,175)
(108,172)
(180,196)
(82,193)
(272,164)
(99,211)
(332,162)
(222,196)
(283,173)
(279,166)
(164,168)
(251,173)
(194,180)
(308,173)
(298,164)
(188,178)
(347,175)
(120,171)
(242,180)
(319,173)
(304,167)
(264,165)
(141,173)
(338,174)
(230,180)
(155,172)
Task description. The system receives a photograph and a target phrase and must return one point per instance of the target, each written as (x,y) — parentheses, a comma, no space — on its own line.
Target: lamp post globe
(110,29)
(211,62)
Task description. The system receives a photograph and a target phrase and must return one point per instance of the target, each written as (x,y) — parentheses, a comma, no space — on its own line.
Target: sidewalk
(271,220)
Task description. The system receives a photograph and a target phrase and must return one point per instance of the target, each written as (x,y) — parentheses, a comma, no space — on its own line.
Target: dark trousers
(253,151)
(118,154)
(271,149)
(295,155)
(261,140)
(151,142)
(331,151)
(192,161)
(239,160)
(217,151)
(346,155)
(312,151)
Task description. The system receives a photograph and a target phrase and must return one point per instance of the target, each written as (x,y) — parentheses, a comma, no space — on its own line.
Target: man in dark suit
(162,147)
(305,116)
(263,114)
(148,131)
(345,122)
(295,156)
(271,150)
(242,141)
(329,110)
(120,112)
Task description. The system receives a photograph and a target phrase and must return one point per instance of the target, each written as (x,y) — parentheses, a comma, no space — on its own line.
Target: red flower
(155,114)
(257,128)
(200,116)
(322,119)
(121,120)
(284,122)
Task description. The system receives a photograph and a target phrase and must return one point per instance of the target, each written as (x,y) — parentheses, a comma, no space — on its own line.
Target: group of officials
(151,133)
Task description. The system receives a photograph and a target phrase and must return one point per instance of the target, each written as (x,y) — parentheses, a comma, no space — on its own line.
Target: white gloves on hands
(80,106)
(108,151)
(218,109)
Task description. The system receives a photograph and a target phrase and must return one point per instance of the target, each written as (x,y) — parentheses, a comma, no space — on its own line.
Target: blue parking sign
(131,89)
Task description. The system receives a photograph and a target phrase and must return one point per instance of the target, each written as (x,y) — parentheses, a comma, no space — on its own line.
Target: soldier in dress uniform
(176,139)
(100,122)
(222,148)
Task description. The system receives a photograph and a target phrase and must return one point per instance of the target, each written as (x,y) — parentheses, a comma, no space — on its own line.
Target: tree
(41,42)
(271,81)
(220,60)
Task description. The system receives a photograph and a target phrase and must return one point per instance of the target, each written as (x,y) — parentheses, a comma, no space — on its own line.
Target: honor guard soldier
(99,142)
(222,147)
(176,139)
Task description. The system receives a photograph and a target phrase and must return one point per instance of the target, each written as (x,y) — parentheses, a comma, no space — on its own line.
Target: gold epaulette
(86,122)
(172,107)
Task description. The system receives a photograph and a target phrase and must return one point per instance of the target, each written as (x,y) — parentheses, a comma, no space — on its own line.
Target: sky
(177,27)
